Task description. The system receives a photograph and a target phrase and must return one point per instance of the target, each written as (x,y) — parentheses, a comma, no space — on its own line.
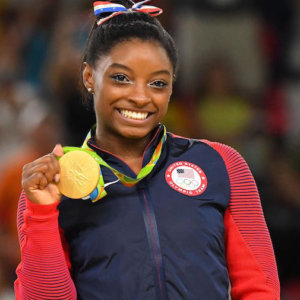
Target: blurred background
(239,84)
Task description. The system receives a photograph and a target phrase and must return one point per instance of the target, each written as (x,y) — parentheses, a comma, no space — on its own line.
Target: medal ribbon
(128,181)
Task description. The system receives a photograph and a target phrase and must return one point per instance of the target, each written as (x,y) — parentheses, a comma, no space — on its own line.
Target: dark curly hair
(124,27)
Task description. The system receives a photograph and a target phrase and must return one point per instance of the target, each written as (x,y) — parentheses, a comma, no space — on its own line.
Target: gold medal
(79,174)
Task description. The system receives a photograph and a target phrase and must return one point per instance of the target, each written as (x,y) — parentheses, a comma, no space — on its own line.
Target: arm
(44,270)
(249,252)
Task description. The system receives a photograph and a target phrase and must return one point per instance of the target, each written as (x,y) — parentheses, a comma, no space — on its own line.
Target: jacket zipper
(153,242)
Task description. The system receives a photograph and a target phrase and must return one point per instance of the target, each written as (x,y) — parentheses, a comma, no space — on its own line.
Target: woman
(177,218)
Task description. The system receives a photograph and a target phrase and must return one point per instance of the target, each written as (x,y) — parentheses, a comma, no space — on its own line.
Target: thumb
(58,150)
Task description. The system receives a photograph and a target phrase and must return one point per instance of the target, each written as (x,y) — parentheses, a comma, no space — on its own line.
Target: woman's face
(132,86)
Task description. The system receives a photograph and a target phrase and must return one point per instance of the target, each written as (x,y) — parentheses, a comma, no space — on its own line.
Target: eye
(120,78)
(160,84)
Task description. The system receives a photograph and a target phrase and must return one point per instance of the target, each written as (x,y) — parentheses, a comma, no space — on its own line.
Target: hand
(40,177)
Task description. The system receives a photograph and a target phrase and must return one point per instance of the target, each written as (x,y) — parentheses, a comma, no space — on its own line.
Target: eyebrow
(117,65)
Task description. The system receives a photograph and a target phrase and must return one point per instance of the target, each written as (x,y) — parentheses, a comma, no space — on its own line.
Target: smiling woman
(170,217)
(132,86)
(131,95)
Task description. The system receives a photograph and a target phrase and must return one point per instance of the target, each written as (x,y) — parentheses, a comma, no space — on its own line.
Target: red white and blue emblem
(186,178)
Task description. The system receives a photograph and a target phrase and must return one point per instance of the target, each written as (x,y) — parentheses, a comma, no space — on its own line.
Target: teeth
(133,115)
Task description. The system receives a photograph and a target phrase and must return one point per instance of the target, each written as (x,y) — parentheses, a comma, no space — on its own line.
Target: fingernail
(56,178)
(58,151)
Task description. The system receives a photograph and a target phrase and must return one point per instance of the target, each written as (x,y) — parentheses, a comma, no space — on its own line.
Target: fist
(40,178)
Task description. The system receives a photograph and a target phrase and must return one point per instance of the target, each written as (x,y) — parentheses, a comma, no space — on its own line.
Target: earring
(90,90)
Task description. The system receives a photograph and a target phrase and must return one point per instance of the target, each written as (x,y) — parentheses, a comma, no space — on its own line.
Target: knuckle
(26,167)
(39,175)
(50,156)
(46,167)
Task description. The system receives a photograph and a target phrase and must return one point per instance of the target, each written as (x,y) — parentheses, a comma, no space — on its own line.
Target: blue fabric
(100,11)
(109,244)
(153,240)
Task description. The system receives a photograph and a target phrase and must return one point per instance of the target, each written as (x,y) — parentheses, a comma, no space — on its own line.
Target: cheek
(111,92)
(105,99)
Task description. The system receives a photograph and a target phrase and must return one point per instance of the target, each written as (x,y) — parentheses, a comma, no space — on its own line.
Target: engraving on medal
(79,174)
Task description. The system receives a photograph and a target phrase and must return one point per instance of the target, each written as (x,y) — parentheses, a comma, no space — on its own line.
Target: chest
(186,196)
(166,231)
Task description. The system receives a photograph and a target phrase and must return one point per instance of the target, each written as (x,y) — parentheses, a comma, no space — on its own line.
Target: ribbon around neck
(105,7)
(128,181)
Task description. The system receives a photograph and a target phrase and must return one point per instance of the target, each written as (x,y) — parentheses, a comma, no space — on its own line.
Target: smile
(133,114)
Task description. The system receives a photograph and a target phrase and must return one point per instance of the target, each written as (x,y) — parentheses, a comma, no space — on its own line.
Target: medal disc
(79,174)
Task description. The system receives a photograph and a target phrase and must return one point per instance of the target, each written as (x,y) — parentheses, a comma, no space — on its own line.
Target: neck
(129,150)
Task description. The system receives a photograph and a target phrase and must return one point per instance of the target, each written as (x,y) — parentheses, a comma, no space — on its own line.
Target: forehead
(136,53)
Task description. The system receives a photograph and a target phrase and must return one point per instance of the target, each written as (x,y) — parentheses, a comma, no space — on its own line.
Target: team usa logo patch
(186,178)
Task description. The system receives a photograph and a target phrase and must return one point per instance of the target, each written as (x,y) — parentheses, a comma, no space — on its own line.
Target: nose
(139,94)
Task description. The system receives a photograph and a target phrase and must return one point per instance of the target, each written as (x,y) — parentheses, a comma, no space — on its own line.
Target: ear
(88,77)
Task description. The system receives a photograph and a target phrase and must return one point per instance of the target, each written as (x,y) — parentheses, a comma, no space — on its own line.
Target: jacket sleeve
(44,271)
(249,251)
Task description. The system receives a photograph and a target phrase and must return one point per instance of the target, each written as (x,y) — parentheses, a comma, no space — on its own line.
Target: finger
(53,169)
(50,168)
(58,150)
(31,168)
(47,159)
(43,159)
(41,167)
(51,157)
(35,181)
(46,169)
(55,163)
(43,182)
(56,168)
(56,178)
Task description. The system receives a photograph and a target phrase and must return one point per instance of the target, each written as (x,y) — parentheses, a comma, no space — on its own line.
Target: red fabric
(249,252)
(44,270)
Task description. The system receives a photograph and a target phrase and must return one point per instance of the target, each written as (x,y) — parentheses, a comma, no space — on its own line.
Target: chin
(135,133)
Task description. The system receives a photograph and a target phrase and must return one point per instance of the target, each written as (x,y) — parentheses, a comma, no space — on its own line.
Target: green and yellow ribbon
(128,181)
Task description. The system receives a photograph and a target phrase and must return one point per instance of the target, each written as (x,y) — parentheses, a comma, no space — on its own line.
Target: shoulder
(237,168)
(227,153)
(232,159)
